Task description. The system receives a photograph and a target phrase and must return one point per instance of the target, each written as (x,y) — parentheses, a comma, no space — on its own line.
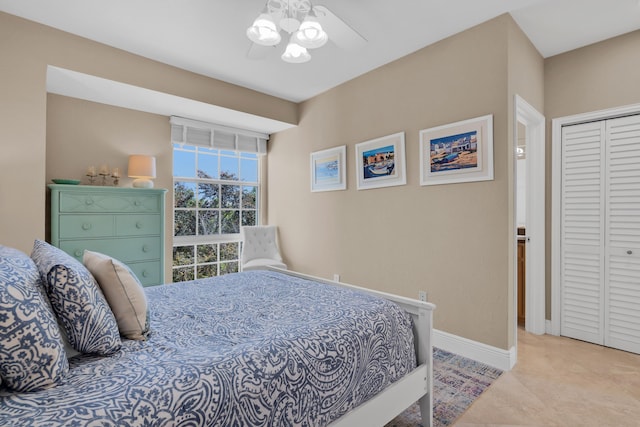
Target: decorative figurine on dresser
(124,223)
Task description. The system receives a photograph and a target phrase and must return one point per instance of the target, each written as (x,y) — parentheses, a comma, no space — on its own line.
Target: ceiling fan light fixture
(295,54)
(310,34)
(264,31)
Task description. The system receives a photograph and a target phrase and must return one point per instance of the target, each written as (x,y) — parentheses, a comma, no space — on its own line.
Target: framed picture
(458,152)
(381,162)
(328,169)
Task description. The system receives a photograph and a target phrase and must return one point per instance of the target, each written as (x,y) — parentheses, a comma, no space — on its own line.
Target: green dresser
(125,223)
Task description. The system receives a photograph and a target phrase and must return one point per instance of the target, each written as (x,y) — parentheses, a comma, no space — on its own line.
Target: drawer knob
(88,201)
(145,248)
(145,273)
(86,226)
(78,253)
(629,252)
(139,224)
(136,203)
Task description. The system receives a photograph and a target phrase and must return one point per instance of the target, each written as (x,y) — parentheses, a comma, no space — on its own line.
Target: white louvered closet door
(600,223)
(622,246)
(582,245)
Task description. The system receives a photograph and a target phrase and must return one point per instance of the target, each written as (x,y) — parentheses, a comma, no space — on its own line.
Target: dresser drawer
(88,202)
(137,225)
(125,250)
(147,272)
(86,226)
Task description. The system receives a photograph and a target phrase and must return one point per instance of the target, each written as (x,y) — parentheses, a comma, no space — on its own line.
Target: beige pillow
(123,292)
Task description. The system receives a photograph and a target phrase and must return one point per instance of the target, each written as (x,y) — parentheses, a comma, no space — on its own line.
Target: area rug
(457,382)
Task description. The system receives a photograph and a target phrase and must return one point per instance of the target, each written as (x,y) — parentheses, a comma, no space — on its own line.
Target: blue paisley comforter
(248,349)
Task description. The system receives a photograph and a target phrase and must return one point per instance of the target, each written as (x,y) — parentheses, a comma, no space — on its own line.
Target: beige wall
(450,240)
(596,77)
(82,133)
(26,48)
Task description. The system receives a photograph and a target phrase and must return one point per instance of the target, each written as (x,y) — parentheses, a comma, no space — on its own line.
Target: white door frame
(556,192)
(535,213)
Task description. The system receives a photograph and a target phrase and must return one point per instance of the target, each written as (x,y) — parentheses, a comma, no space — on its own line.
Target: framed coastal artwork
(328,169)
(457,152)
(380,162)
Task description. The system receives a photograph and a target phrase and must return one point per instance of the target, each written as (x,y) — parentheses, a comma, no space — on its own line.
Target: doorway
(529,129)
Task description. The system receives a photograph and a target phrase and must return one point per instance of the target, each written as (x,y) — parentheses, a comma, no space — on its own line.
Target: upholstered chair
(260,248)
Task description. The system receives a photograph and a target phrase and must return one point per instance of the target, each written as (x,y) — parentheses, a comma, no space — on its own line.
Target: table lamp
(143,169)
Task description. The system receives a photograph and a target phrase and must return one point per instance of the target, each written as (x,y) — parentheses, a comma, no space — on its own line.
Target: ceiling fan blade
(257,51)
(339,32)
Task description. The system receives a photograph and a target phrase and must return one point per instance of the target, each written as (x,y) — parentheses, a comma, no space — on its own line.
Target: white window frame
(215,238)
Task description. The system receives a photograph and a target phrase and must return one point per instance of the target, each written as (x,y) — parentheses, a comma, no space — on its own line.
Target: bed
(260,348)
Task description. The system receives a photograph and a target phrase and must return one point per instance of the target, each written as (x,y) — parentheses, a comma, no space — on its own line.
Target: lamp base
(142,183)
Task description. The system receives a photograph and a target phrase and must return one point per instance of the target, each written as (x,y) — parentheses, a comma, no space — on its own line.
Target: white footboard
(416,386)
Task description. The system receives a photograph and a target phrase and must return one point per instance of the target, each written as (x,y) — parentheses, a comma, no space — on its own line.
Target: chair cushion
(77,301)
(123,292)
(259,242)
(32,354)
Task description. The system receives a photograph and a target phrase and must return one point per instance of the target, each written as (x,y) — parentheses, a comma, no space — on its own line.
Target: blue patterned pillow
(31,351)
(77,301)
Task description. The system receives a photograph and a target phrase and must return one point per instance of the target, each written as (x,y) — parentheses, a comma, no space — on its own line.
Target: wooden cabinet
(125,223)
(521,279)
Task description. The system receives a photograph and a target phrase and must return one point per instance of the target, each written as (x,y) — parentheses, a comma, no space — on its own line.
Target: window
(215,193)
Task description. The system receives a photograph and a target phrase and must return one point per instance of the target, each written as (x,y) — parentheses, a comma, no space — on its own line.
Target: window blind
(203,134)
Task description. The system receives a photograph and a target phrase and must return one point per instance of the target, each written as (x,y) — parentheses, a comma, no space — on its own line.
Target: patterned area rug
(457,382)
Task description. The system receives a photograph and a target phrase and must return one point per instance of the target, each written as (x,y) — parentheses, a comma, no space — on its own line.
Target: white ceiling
(208,36)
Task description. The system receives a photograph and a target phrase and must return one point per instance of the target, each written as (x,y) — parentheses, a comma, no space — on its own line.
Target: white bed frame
(415,386)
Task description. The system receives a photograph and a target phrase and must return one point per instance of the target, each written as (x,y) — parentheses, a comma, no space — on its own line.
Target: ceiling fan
(304,25)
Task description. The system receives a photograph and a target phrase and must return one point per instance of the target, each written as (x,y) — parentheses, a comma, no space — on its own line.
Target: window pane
(208,223)
(228,251)
(228,267)
(183,274)
(184,223)
(207,166)
(182,255)
(230,222)
(249,197)
(229,168)
(230,196)
(249,218)
(184,194)
(208,270)
(207,253)
(249,170)
(184,163)
(209,195)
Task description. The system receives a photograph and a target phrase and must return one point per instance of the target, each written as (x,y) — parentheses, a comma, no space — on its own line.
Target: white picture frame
(381,162)
(457,152)
(328,169)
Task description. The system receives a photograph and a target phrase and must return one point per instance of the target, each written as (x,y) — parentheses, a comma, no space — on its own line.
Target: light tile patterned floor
(559,381)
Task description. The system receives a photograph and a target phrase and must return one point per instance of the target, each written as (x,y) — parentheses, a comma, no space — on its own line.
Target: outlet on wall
(336,277)
(422,296)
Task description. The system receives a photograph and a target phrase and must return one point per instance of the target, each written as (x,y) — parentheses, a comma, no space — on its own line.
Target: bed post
(424,355)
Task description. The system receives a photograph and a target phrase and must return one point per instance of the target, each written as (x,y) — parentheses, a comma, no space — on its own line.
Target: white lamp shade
(295,54)
(143,168)
(310,34)
(264,31)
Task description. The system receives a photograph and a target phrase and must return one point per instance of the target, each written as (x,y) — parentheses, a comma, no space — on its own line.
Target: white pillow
(123,292)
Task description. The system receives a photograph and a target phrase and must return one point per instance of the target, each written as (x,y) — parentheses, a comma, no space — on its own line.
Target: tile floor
(559,381)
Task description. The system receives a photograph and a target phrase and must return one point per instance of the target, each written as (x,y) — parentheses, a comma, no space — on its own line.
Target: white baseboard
(492,356)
